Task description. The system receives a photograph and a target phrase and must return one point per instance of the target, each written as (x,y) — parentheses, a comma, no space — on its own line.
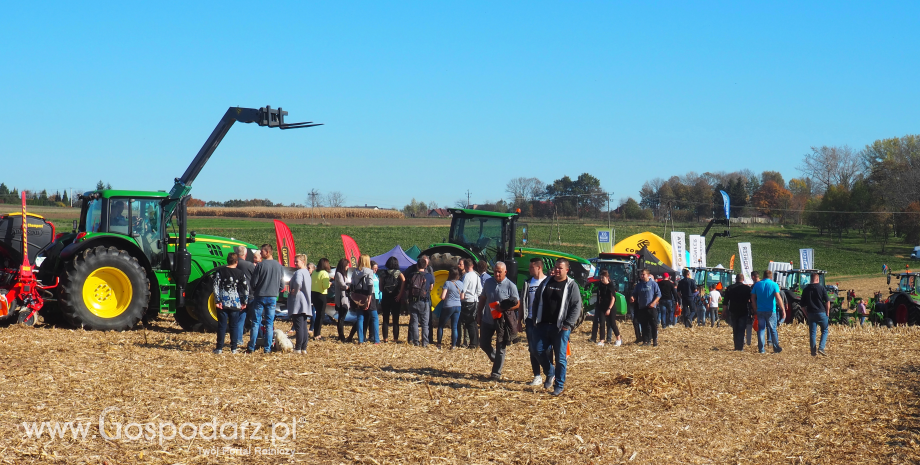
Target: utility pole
(467,198)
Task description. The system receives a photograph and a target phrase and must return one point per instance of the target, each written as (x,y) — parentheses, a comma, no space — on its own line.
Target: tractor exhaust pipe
(182,267)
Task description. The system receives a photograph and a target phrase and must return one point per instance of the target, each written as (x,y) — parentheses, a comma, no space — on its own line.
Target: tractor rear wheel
(104,288)
(205,305)
(913,314)
(187,319)
(902,310)
(441,263)
(797,313)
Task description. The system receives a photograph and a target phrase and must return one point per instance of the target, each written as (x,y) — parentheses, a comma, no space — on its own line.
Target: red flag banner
(285,242)
(352,252)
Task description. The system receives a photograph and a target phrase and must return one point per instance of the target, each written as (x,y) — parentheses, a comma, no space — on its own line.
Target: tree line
(874,191)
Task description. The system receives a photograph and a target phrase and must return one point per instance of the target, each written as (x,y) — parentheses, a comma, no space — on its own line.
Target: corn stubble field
(691,400)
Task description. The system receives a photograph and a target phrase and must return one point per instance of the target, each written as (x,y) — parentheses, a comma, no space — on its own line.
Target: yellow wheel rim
(440,277)
(212,306)
(107,292)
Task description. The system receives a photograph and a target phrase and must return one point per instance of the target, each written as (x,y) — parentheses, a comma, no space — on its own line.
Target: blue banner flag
(726,202)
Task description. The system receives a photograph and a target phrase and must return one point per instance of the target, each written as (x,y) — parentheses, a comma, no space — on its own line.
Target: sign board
(678,251)
(747,261)
(807,259)
(697,251)
(604,240)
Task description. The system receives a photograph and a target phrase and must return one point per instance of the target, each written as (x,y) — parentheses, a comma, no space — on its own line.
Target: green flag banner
(604,241)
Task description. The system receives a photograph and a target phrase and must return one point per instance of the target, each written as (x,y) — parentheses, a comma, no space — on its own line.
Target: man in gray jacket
(556,308)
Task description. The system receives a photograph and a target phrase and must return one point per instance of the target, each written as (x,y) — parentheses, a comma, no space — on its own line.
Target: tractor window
(619,273)
(145,216)
(93,216)
(482,235)
(118,216)
(907,283)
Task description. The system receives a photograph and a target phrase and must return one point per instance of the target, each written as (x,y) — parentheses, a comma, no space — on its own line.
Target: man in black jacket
(737,298)
(686,287)
(669,297)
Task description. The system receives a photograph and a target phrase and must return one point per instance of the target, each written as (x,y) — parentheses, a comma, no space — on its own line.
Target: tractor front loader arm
(266,116)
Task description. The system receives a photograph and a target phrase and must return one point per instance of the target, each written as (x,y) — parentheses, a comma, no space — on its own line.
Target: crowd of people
(486,311)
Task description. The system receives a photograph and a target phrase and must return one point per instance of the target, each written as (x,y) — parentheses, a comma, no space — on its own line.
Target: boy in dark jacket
(231,288)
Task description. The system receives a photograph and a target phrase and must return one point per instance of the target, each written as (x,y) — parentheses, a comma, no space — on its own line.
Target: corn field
(293,213)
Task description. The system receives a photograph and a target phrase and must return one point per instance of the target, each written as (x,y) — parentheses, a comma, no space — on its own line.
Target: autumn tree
(771,199)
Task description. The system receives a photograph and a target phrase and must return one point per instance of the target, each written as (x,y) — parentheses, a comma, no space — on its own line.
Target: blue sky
(429,99)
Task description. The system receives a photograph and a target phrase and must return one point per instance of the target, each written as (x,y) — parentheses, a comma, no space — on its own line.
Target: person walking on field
(342,303)
(557,308)
(814,296)
(418,296)
(501,291)
(737,299)
(248,268)
(472,289)
(451,296)
(530,328)
(231,288)
(267,283)
(646,295)
(605,322)
(392,285)
(765,299)
(686,287)
(298,302)
(715,298)
(319,292)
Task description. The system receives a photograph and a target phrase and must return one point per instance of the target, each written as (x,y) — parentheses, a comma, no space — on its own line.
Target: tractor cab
(623,269)
(907,282)
(796,280)
(489,235)
(126,215)
(721,278)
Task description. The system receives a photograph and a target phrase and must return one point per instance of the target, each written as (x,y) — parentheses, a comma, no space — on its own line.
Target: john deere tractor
(903,305)
(491,237)
(131,257)
(795,282)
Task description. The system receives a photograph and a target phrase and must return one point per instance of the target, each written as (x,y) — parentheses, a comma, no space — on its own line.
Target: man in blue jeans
(765,299)
(814,296)
(556,308)
(267,283)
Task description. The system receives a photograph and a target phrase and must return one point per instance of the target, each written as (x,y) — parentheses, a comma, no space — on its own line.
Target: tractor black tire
(443,261)
(51,314)
(187,319)
(913,314)
(116,275)
(203,304)
(903,306)
(798,314)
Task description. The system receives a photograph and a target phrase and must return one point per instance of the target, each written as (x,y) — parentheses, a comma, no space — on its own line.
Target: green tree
(64,199)
(3,189)
(100,185)
(774,176)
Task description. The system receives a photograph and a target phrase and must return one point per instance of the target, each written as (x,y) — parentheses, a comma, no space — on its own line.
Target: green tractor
(707,277)
(903,305)
(491,237)
(794,281)
(131,257)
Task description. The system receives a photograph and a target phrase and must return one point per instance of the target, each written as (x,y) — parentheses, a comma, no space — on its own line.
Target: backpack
(418,287)
(362,290)
(389,282)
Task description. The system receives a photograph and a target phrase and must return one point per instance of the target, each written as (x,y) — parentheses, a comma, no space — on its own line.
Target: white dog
(282,342)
